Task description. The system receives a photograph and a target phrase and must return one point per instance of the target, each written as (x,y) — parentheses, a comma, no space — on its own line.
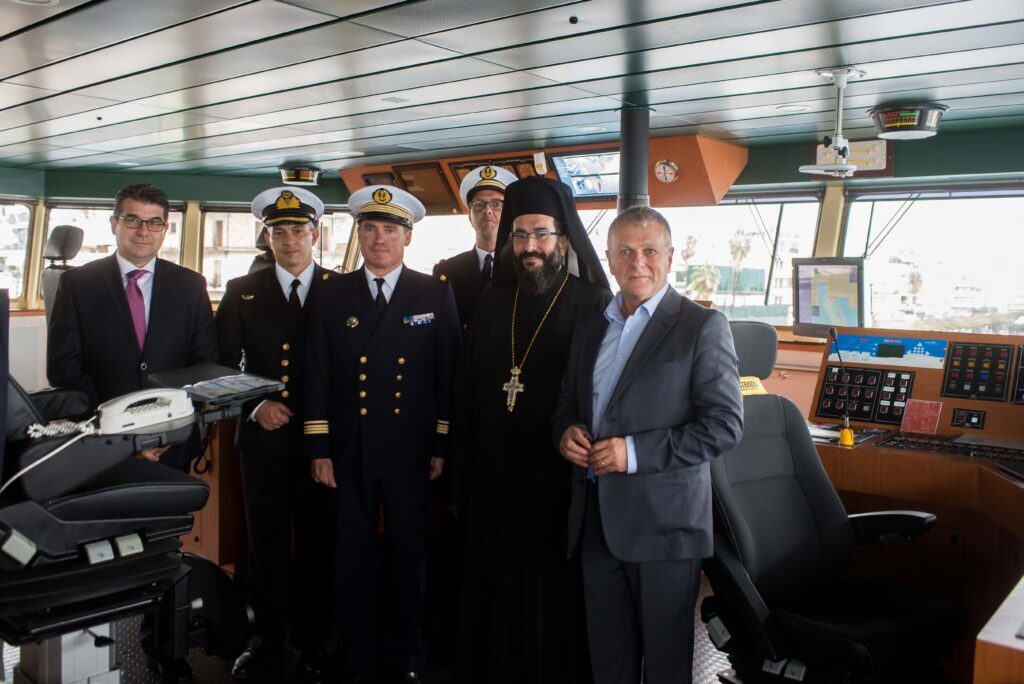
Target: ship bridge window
(737,255)
(941,259)
(15,221)
(98,240)
(229,243)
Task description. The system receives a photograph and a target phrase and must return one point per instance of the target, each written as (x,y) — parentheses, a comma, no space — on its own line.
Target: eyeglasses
(538,235)
(478,205)
(132,221)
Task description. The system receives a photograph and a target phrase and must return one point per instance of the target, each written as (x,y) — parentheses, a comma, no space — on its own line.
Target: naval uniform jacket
(254,318)
(378,387)
(463,272)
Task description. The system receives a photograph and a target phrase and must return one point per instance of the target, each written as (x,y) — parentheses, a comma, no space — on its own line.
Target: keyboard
(943,445)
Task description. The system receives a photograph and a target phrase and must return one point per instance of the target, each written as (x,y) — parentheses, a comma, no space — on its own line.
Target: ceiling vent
(299,175)
(907,122)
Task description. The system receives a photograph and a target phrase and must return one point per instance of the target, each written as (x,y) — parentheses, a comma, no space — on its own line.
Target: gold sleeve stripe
(442,422)
(442,429)
(316,422)
(750,385)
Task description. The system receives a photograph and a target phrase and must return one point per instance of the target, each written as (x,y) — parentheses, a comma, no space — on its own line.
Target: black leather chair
(782,541)
(265,258)
(64,243)
(90,534)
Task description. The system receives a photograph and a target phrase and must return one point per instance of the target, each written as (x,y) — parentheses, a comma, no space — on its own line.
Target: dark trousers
(279,492)
(639,615)
(370,633)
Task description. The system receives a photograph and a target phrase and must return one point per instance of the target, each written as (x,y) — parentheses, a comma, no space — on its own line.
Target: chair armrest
(890,527)
(733,587)
(60,403)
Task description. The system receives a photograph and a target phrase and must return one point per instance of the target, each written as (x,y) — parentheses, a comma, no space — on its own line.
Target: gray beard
(540,280)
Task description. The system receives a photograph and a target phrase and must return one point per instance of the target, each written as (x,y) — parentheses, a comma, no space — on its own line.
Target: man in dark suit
(119,318)
(383,342)
(483,193)
(261,325)
(650,395)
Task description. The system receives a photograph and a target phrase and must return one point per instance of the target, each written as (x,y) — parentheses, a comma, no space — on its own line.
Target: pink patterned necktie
(136,305)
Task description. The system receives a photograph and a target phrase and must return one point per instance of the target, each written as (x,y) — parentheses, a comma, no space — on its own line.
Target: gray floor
(707,661)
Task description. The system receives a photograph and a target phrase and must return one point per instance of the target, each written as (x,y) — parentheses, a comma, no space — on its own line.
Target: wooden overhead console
(939,415)
(705,170)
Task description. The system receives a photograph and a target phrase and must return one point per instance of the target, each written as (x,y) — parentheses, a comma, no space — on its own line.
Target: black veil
(540,195)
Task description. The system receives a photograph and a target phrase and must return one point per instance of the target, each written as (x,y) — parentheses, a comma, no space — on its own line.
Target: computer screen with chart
(827,292)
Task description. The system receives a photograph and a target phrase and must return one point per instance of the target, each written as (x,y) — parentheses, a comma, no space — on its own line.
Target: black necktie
(380,300)
(485,272)
(293,298)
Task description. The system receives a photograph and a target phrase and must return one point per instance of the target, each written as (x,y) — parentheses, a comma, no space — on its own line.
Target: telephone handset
(143,409)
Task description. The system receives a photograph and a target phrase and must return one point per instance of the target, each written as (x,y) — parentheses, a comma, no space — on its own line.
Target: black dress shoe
(169,670)
(259,659)
(408,678)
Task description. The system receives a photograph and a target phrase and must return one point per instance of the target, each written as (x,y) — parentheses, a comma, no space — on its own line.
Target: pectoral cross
(512,388)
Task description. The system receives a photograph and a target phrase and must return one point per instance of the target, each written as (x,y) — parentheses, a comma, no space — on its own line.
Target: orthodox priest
(522,610)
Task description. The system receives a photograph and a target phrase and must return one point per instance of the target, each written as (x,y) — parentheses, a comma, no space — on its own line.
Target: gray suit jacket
(679,396)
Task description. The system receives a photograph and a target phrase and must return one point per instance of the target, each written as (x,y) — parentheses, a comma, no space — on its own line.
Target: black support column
(634,132)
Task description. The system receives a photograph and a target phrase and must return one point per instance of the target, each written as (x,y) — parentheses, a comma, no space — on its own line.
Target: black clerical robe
(522,611)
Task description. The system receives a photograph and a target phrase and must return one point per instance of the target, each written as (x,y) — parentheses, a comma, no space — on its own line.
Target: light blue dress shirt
(145,281)
(619,340)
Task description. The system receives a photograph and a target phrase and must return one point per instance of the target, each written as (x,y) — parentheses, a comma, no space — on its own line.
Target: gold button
(398,377)
(362,359)
(284,378)
(284,394)
(285,362)
(362,412)
(397,411)
(398,395)
(401,360)
(362,376)
(286,346)
(362,394)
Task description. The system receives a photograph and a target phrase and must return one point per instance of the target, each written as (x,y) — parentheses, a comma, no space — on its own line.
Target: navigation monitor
(827,292)
(591,175)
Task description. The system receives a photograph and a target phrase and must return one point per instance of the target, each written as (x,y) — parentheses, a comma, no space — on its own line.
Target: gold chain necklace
(513,386)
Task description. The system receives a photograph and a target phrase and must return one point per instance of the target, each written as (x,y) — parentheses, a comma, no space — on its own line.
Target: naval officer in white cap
(263,317)
(483,193)
(381,356)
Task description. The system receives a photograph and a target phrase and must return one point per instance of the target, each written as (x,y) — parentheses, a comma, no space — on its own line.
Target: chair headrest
(756,346)
(261,240)
(64,243)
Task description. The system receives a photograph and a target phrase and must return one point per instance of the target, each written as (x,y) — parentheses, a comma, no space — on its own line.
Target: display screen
(593,175)
(827,292)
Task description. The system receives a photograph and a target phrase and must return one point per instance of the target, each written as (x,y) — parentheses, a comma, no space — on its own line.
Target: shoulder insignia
(248,297)
(326,276)
(443,277)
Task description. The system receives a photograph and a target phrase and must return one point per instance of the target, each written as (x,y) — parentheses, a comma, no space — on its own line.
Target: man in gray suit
(650,395)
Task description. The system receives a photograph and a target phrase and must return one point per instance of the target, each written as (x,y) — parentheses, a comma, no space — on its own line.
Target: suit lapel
(160,303)
(393,312)
(664,317)
(589,358)
(362,304)
(112,278)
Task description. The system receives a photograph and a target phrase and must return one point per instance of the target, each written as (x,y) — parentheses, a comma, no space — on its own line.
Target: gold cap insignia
(382,196)
(488,172)
(248,297)
(352,321)
(287,200)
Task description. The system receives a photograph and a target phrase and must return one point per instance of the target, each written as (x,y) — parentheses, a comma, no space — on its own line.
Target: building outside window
(941,259)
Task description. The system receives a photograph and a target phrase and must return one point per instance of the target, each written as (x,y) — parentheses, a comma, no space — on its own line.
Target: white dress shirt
(286,278)
(390,280)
